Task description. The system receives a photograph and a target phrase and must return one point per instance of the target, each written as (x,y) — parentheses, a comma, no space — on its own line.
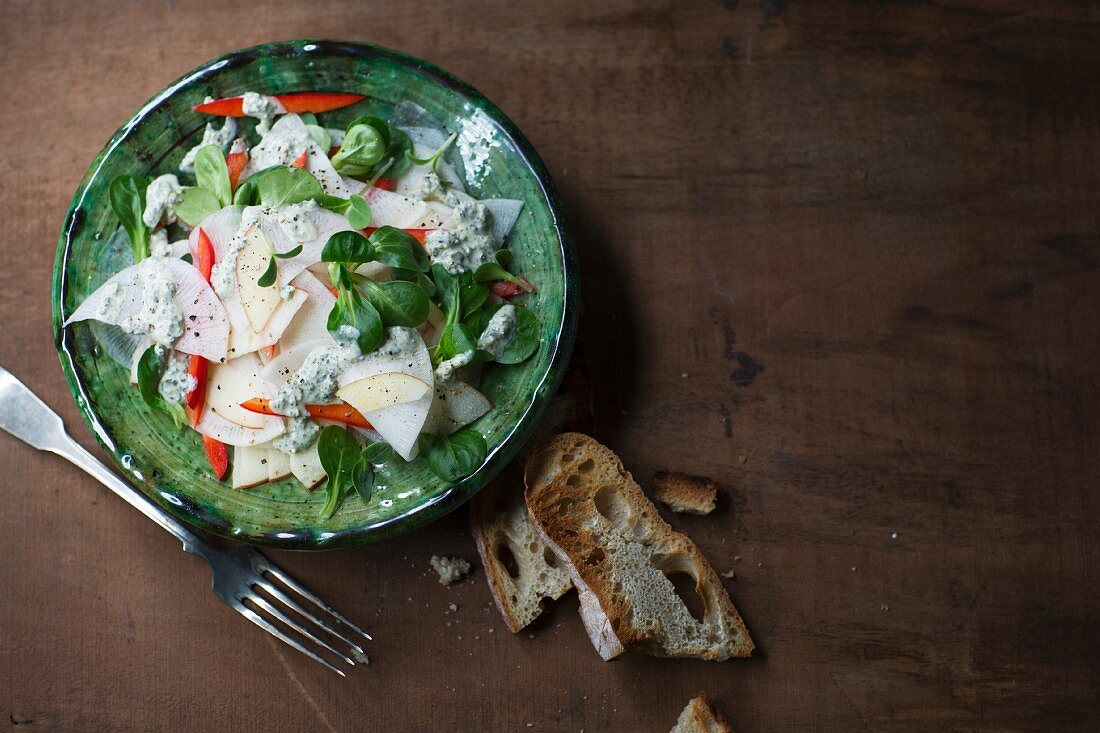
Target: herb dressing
(161,198)
(262,107)
(160,316)
(210,136)
(176,383)
(317,379)
(469,244)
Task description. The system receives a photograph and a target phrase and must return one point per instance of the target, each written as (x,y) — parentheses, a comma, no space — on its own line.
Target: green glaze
(170,465)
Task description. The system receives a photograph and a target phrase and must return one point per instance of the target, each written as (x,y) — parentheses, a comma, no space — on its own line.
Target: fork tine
(263,603)
(264,624)
(272,589)
(302,591)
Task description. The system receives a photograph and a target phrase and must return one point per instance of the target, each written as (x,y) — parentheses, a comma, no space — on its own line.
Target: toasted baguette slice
(684,493)
(700,716)
(520,569)
(620,554)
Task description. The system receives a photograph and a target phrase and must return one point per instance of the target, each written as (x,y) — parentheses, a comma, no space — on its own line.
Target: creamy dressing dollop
(318,378)
(176,383)
(262,107)
(469,243)
(161,198)
(210,136)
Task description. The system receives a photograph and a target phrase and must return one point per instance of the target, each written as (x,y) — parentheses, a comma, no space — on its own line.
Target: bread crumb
(453,607)
(893,535)
(450,569)
(729,574)
(853,568)
(737,558)
(741,459)
(884,607)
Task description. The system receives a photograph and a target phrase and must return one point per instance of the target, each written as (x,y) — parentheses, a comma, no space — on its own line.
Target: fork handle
(79,456)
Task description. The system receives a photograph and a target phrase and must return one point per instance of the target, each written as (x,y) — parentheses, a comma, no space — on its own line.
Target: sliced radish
(220,228)
(392,209)
(205,324)
(287,139)
(215,426)
(504,214)
(324,221)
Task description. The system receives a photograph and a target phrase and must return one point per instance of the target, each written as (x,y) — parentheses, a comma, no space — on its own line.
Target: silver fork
(238,573)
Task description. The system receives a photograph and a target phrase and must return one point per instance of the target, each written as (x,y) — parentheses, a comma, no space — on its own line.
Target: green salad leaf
(339,453)
(397,248)
(353,310)
(456,456)
(398,302)
(196,204)
(212,174)
(127,195)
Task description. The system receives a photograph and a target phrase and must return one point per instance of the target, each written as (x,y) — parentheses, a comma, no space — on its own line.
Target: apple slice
(252,261)
(249,466)
(306,466)
(227,388)
(278,464)
(383,390)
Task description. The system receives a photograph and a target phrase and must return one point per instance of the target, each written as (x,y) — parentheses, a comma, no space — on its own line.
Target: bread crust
(700,716)
(499,517)
(620,554)
(685,493)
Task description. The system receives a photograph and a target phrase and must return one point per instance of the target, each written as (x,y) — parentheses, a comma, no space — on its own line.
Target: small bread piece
(450,569)
(684,493)
(620,554)
(520,569)
(700,716)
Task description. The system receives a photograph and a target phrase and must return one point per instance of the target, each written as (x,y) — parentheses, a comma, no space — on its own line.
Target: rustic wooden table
(842,257)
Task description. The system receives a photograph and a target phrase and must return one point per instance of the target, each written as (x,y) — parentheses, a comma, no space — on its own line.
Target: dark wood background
(840,256)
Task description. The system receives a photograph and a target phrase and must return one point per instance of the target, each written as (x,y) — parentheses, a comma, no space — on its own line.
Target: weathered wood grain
(842,257)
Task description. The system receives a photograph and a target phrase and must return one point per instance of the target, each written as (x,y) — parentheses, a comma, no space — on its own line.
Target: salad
(316,302)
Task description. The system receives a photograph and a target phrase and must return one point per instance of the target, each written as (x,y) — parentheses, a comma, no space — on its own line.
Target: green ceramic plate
(169,464)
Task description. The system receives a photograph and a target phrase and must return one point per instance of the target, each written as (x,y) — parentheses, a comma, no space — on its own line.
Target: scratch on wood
(321,717)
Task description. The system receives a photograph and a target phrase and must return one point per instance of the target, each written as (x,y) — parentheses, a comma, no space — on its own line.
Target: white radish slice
(205,324)
(250,466)
(306,466)
(278,464)
(310,323)
(143,343)
(286,140)
(286,364)
(432,329)
(455,406)
(179,248)
(220,228)
(324,221)
(382,391)
(116,343)
(390,209)
(215,426)
(504,213)
(250,366)
(354,185)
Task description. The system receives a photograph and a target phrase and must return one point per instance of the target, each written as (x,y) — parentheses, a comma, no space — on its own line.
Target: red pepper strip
(333,151)
(217,454)
(235,162)
(204,257)
(418,234)
(302,102)
(196,398)
(509,289)
(386,184)
(301,160)
(269,351)
(340,412)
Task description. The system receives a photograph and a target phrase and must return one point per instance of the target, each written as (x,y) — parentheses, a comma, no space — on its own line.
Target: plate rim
(452,496)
